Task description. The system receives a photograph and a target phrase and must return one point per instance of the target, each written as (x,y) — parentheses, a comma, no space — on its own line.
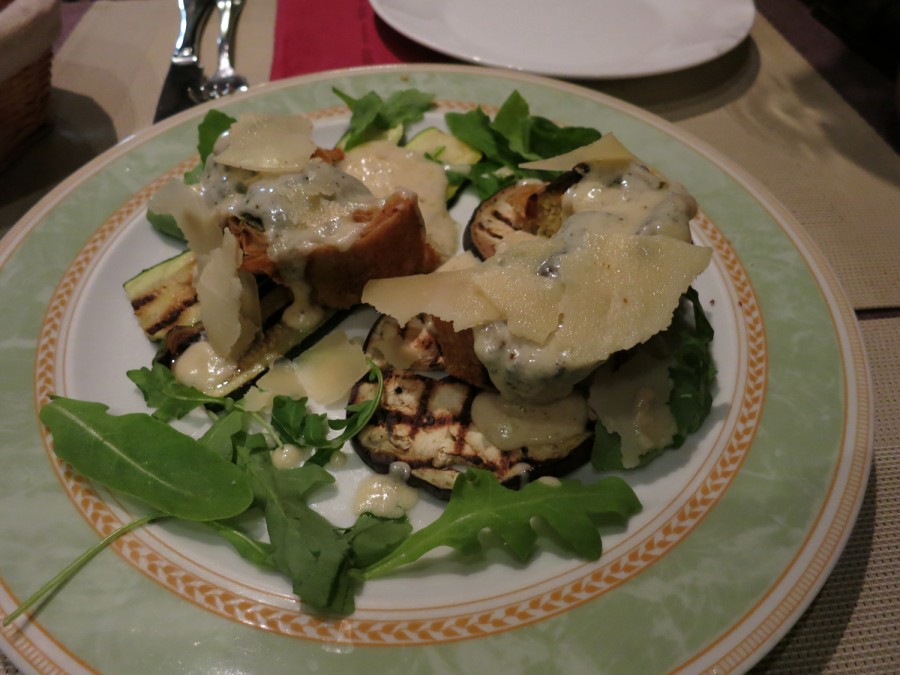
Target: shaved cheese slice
(229,301)
(452,296)
(621,290)
(328,369)
(461,261)
(607,149)
(633,402)
(199,223)
(528,302)
(281,380)
(268,143)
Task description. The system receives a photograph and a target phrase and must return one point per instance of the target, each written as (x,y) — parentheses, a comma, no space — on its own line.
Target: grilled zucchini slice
(165,304)
(163,296)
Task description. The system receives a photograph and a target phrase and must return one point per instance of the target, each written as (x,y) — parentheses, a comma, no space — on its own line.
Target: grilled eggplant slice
(528,208)
(425,420)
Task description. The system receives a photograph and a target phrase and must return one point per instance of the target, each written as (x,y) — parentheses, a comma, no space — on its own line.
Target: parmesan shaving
(328,369)
(267,143)
(229,304)
(453,296)
(608,149)
(199,223)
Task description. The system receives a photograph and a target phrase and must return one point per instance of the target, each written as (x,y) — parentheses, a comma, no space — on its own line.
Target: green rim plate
(738,533)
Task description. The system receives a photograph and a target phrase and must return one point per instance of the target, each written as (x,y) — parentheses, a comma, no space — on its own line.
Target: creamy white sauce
(386,495)
(630,199)
(385,167)
(200,367)
(298,211)
(288,456)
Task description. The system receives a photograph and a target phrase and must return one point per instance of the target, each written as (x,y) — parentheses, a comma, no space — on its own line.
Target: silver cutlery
(225,80)
(183,82)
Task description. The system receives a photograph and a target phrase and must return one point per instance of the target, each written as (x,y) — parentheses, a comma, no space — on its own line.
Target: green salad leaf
(371,116)
(513,137)
(171,399)
(146,458)
(317,556)
(296,424)
(214,124)
(478,501)
(164,223)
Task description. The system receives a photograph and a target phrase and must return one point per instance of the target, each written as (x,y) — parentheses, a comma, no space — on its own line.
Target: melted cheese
(630,199)
(200,367)
(509,425)
(288,456)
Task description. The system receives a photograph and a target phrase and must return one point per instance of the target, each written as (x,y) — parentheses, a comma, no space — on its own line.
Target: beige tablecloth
(762,105)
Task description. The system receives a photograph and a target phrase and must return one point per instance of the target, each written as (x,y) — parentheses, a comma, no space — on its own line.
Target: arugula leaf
(686,345)
(372,538)
(213,125)
(146,458)
(513,137)
(72,568)
(295,424)
(220,436)
(257,552)
(478,501)
(371,116)
(171,399)
(693,371)
(165,224)
(313,553)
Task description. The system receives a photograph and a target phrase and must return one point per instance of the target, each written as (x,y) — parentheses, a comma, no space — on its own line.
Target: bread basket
(27,31)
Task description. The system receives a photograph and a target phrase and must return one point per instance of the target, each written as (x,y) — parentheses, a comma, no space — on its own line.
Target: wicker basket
(27,30)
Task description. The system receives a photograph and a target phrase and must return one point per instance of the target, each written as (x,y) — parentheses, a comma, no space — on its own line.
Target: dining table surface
(785,105)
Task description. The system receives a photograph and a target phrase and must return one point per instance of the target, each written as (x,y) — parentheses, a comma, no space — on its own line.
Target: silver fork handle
(193,15)
(229,13)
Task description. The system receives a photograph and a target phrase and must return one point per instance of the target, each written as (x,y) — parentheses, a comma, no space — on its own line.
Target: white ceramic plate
(575,38)
(740,527)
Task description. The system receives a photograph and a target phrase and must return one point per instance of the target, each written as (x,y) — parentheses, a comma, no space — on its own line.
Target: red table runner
(317,35)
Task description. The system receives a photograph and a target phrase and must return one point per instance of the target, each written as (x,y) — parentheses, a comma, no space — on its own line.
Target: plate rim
(846,326)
